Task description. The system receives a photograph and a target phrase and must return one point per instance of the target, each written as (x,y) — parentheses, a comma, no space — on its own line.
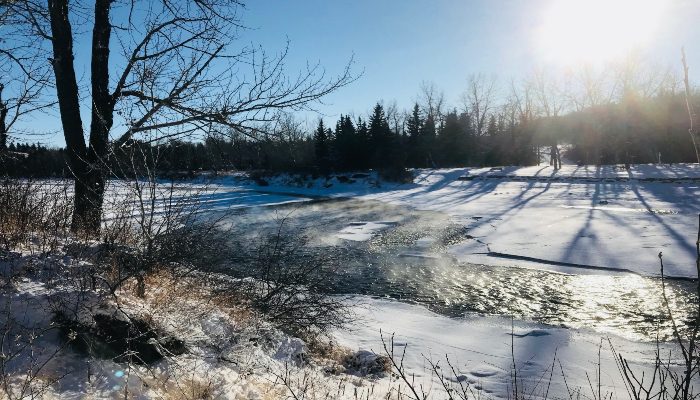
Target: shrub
(158,228)
(289,283)
(33,210)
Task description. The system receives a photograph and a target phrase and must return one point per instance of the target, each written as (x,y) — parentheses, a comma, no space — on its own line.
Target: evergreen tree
(492,128)
(321,149)
(380,136)
(414,123)
(426,144)
(452,142)
(347,145)
(364,154)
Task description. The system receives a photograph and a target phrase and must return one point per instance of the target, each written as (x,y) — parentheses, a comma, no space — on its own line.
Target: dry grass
(191,389)
(328,353)
(169,293)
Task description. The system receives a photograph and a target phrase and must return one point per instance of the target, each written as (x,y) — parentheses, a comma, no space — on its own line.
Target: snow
(234,356)
(604,218)
(479,348)
(574,217)
(247,358)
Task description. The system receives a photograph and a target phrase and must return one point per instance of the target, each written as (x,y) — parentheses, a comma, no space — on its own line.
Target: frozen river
(384,250)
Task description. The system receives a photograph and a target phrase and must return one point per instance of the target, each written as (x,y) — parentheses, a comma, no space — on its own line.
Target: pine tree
(414,123)
(426,144)
(495,154)
(492,128)
(452,142)
(414,126)
(364,150)
(321,147)
(380,136)
(346,144)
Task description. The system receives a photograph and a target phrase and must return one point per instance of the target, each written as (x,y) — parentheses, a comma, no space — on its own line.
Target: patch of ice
(485,370)
(363,231)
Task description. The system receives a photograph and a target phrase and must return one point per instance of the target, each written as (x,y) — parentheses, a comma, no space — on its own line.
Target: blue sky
(399,44)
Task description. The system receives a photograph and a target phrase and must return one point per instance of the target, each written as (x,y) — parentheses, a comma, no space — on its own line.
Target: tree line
(23,160)
(648,130)
(618,116)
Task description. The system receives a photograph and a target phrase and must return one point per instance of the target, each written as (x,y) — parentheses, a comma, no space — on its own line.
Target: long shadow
(685,243)
(467,191)
(658,190)
(595,199)
(600,189)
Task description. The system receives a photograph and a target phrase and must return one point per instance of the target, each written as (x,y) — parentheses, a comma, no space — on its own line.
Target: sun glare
(597,31)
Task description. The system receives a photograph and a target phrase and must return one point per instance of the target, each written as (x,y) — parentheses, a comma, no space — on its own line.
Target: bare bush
(33,210)
(157,226)
(289,284)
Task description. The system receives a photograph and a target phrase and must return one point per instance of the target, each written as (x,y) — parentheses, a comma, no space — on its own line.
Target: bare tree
(479,100)
(432,101)
(176,74)
(548,94)
(522,100)
(550,102)
(590,88)
(396,118)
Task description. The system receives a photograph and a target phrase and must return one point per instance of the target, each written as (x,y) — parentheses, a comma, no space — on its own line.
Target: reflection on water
(622,304)
(409,262)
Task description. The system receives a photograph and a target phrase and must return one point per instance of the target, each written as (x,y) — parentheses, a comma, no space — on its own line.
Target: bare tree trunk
(3,124)
(558,153)
(87,204)
(689,106)
(101,122)
(84,215)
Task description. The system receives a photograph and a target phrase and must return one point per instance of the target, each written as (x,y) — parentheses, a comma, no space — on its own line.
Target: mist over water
(407,259)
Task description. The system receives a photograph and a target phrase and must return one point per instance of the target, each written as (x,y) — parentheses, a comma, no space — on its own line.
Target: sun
(597,31)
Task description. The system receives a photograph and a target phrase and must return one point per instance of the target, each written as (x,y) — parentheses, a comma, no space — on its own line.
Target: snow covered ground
(231,353)
(599,217)
(231,356)
(527,217)
(547,359)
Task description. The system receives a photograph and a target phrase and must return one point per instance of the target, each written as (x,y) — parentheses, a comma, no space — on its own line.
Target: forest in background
(621,118)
